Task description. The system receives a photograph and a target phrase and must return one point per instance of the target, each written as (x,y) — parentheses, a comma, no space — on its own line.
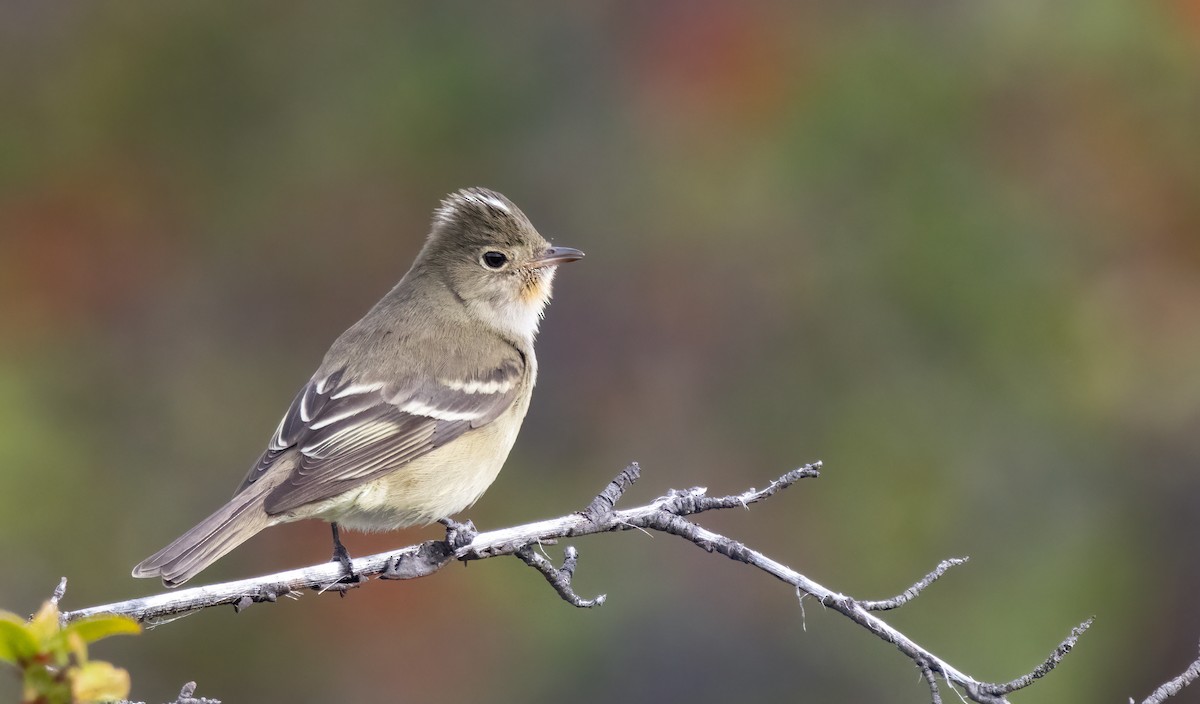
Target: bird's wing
(349,431)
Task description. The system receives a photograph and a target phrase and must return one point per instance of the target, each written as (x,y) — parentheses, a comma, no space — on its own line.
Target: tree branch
(666,514)
(1044,669)
(559,578)
(1174,686)
(930,680)
(915,590)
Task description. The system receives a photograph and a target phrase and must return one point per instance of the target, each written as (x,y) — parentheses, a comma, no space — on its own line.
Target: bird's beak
(555,256)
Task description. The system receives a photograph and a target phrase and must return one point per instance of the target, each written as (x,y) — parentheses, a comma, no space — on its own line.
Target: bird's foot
(342,555)
(458,535)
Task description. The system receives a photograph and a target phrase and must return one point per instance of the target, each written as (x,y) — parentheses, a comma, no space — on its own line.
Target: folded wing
(349,431)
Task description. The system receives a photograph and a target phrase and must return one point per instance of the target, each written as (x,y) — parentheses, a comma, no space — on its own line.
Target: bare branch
(931,680)
(916,589)
(694,500)
(59,591)
(559,578)
(1174,686)
(665,514)
(607,499)
(999,690)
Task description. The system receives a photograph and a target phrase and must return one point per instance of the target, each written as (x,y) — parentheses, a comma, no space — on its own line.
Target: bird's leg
(458,535)
(341,554)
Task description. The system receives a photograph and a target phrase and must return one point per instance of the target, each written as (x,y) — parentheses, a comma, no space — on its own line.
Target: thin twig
(607,499)
(59,591)
(915,590)
(1173,686)
(999,690)
(559,578)
(931,680)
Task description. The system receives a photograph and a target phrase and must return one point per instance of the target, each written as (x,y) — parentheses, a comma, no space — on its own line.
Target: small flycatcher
(415,408)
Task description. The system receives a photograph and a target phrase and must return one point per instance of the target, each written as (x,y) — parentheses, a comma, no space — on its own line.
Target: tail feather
(230,526)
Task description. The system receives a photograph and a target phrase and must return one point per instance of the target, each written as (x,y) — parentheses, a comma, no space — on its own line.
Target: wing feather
(349,431)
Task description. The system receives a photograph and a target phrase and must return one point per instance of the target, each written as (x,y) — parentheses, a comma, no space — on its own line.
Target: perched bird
(414,409)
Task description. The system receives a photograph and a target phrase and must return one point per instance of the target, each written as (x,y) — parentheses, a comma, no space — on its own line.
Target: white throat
(521,316)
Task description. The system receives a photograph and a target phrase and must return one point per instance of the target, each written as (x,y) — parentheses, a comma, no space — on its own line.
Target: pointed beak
(555,256)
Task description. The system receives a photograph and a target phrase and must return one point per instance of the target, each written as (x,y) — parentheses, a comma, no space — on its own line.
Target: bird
(414,409)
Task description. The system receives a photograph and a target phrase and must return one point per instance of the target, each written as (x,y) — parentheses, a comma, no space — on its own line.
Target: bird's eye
(494,260)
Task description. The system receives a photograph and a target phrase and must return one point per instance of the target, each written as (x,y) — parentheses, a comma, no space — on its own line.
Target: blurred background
(950,249)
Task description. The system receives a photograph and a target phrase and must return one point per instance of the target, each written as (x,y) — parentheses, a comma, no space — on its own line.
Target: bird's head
(491,257)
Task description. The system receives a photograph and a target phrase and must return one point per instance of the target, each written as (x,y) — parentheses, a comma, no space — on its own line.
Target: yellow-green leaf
(99,681)
(76,646)
(44,625)
(97,627)
(17,644)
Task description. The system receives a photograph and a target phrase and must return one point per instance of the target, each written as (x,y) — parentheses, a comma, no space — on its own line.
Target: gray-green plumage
(414,408)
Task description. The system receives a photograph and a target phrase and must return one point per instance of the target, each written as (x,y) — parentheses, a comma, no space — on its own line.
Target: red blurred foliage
(1190,10)
(712,62)
(82,247)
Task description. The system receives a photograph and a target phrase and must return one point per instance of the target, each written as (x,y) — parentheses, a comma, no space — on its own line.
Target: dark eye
(494,260)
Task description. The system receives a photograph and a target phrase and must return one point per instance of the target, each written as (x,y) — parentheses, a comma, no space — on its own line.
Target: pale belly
(434,486)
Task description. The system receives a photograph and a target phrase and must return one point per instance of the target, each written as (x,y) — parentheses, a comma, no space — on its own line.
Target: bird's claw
(342,555)
(458,535)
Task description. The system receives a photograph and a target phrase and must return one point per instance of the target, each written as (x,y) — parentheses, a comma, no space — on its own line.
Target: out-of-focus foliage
(52,659)
(951,249)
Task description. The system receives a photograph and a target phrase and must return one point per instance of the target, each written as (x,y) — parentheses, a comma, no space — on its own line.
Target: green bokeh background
(951,249)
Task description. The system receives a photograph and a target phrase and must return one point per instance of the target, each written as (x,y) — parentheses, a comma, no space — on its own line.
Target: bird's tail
(230,526)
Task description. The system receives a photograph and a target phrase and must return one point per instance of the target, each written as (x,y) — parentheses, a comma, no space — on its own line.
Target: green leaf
(96,627)
(17,644)
(42,687)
